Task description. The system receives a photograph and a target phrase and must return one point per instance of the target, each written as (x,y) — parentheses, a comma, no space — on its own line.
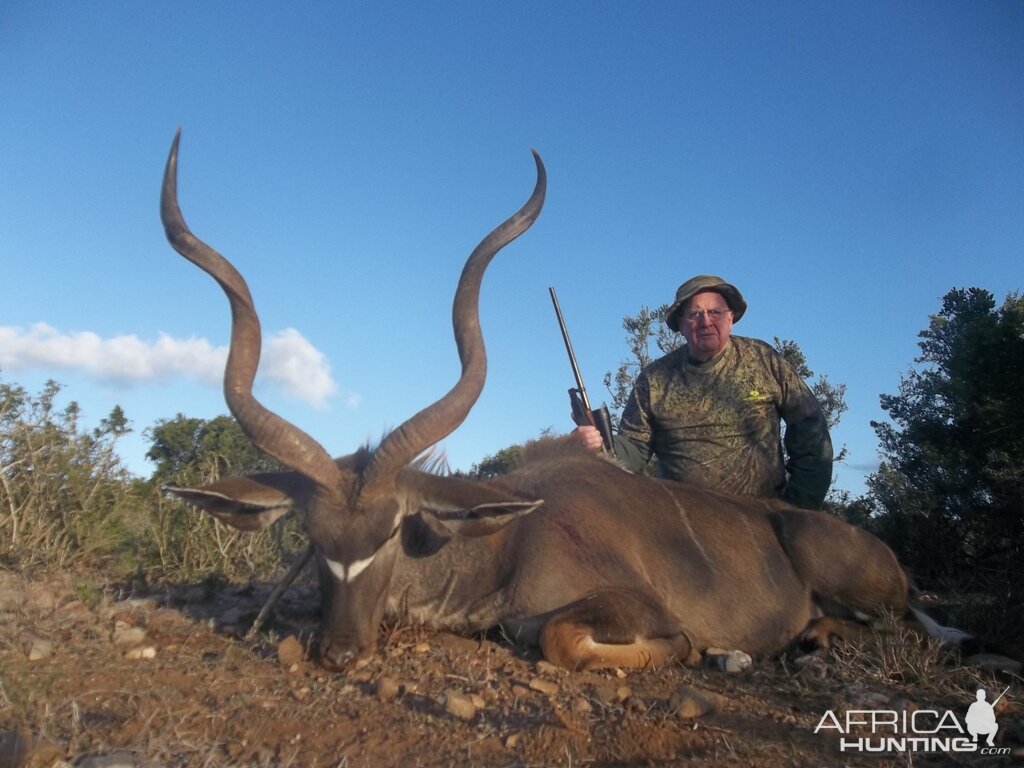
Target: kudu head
(355,506)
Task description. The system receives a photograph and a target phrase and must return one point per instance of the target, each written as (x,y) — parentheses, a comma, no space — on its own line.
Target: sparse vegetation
(67,500)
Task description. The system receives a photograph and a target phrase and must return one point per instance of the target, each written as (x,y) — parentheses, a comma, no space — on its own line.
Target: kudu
(598,566)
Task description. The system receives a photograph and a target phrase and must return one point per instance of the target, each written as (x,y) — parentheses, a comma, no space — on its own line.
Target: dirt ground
(95,675)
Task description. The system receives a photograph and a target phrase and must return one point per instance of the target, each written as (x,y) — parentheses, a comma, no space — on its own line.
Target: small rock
(581,707)
(547,668)
(623,692)
(166,617)
(290,651)
(140,652)
(512,741)
(386,689)
(520,691)
(812,668)
(689,703)
(36,648)
(128,635)
(459,705)
(541,685)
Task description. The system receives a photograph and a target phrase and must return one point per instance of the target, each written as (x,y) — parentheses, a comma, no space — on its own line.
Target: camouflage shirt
(717,424)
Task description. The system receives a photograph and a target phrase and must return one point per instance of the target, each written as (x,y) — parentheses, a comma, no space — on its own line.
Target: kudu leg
(275,595)
(613,628)
(826,631)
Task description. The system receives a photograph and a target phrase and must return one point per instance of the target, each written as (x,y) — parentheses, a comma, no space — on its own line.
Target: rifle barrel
(568,348)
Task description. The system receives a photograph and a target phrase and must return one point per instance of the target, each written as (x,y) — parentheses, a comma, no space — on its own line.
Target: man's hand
(589,438)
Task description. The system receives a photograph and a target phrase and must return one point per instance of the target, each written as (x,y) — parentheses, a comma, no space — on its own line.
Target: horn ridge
(269,432)
(440,419)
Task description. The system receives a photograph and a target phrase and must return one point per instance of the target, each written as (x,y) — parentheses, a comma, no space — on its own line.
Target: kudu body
(598,566)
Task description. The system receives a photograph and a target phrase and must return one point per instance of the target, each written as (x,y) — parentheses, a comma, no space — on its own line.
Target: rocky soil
(97,676)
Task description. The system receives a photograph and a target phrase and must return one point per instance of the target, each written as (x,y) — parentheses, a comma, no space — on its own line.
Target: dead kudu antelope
(598,566)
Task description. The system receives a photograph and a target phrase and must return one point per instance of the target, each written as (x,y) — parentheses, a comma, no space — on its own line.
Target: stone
(548,687)
(128,635)
(386,689)
(458,705)
(689,703)
(812,668)
(36,648)
(140,652)
(290,652)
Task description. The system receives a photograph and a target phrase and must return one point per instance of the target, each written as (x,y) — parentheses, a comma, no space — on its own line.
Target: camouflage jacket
(717,424)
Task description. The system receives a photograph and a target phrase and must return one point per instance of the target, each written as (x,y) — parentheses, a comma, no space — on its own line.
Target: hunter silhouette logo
(885,731)
(981,717)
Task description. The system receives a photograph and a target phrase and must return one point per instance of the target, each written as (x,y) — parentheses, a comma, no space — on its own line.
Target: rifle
(582,414)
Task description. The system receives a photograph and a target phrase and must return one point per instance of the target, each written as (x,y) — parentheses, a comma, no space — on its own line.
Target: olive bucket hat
(696,285)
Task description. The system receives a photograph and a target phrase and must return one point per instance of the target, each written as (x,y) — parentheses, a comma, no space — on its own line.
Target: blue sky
(845,164)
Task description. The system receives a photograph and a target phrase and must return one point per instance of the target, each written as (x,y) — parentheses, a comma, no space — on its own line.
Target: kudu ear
(461,507)
(249,502)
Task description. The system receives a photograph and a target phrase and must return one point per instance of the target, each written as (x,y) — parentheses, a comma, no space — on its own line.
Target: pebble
(580,706)
(547,668)
(128,635)
(290,652)
(458,705)
(689,703)
(812,668)
(386,689)
(140,652)
(541,685)
(36,648)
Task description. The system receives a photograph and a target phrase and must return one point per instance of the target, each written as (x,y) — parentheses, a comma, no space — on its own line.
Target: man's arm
(809,468)
(633,443)
(807,441)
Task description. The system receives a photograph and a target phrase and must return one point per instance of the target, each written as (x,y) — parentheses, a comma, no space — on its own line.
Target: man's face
(706,334)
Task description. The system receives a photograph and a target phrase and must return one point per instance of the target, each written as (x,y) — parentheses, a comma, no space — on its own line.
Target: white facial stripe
(343,574)
(346,574)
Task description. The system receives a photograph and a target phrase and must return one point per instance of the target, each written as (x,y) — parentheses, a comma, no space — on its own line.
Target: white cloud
(298,367)
(289,360)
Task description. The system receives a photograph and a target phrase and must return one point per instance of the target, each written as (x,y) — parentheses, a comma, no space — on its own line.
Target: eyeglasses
(713,315)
